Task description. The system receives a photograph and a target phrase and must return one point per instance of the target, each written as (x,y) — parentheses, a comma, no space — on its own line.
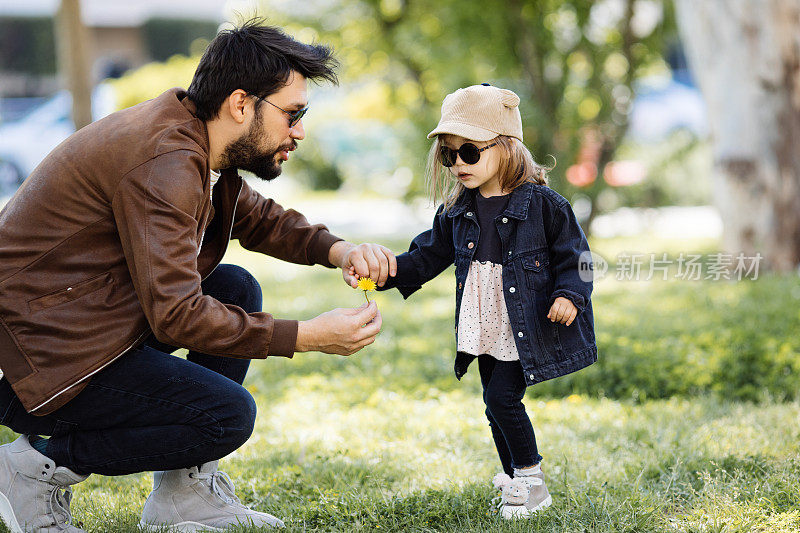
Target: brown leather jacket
(102,245)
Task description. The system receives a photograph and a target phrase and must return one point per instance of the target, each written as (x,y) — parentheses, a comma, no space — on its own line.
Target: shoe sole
(510,513)
(182,527)
(7,514)
(192,527)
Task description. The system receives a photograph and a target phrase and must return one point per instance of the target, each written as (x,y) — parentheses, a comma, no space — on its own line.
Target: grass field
(665,433)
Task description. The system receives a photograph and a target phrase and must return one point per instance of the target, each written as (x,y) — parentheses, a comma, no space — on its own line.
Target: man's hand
(562,311)
(364,260)
(340,331)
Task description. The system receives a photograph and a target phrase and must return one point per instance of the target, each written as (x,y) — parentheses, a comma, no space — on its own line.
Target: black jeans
(503,389)
(150,410)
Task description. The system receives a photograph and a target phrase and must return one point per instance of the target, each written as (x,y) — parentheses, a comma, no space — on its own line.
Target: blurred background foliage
(27,44)
(576,65)
(154,78)
(165,36)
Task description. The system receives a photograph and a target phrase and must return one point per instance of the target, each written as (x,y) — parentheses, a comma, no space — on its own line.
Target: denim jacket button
(531,376)
(469,213)
(520,334)
(459,285)
(471,245)
(509,252)
(537,263)
(505,220)
(512,290)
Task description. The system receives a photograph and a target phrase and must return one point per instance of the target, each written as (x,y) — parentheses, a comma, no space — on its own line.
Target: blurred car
(26,141)
(15,108)
(664,105)
(9,177)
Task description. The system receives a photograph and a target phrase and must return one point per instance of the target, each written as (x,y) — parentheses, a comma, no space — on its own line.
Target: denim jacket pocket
(537,270)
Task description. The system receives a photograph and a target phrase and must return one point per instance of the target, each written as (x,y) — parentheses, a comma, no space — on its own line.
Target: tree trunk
(73,58)
(745,56)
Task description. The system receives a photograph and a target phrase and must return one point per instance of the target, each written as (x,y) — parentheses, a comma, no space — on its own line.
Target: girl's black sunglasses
(470,154)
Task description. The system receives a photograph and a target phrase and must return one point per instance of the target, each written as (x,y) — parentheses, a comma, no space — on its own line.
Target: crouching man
(109,261)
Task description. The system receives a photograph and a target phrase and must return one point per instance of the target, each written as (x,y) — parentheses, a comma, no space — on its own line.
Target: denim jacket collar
(517,204)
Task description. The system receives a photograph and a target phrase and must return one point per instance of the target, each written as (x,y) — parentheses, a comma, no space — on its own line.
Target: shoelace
(60,499)
(532,480)
(221,486)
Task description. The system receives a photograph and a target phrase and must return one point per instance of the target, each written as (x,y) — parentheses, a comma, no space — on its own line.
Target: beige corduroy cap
(480,113)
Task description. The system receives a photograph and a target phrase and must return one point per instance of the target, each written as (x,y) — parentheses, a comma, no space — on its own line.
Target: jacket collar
(191,107)
(517,205)
(464,200)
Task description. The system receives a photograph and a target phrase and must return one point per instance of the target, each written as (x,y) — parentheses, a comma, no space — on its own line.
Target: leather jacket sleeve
(156,208)
(261,225)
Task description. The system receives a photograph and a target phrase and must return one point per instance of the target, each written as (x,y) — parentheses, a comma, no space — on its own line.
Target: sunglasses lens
(448,156)
(297,116)
(469,153)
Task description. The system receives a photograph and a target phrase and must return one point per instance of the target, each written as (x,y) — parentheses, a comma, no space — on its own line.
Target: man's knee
(240,419)
(233,284)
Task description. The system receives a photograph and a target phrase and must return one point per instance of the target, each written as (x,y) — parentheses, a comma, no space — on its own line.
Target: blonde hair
(517,167)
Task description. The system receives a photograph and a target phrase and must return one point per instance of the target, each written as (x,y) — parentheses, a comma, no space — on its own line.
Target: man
(109,258)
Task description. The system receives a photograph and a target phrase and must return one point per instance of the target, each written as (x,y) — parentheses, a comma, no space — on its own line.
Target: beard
(245,153)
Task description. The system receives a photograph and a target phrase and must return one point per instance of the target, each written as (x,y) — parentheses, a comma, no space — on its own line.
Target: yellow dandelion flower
(366,284)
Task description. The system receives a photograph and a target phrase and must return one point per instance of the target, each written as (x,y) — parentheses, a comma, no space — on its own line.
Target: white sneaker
(34,493)
(522,496)
(198,499)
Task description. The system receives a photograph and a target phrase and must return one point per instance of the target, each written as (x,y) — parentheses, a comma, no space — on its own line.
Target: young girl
(523,305)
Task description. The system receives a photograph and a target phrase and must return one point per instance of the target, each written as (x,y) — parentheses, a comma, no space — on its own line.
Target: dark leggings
(150,410)
(503,389)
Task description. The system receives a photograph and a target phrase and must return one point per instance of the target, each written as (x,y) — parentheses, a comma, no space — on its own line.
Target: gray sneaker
(34,492)
(522,496)
(198,499)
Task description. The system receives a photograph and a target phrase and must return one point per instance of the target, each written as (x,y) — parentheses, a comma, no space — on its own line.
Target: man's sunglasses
(470,154)
(294,116)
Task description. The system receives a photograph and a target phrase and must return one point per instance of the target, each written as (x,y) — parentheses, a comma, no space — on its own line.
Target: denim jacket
(543,250)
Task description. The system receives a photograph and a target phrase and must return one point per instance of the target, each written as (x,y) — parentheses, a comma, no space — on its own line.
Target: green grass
(689,422)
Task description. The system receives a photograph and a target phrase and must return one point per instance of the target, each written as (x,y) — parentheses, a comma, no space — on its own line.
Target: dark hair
(258,59)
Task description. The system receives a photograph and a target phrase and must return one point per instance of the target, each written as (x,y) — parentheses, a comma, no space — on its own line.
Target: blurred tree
(573,63)
(165,37)
(746,57)
(316,171)
(73,60)
(153,79)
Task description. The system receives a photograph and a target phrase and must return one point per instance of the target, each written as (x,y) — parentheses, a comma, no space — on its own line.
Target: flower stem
(367,297)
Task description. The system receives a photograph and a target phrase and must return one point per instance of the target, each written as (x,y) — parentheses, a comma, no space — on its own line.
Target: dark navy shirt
(490,248)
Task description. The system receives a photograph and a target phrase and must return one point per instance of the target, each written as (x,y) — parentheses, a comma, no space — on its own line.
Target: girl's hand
(563,311)
(350,277)
(363,261)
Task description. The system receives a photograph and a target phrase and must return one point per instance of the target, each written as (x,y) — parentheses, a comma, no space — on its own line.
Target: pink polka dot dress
(483,323)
